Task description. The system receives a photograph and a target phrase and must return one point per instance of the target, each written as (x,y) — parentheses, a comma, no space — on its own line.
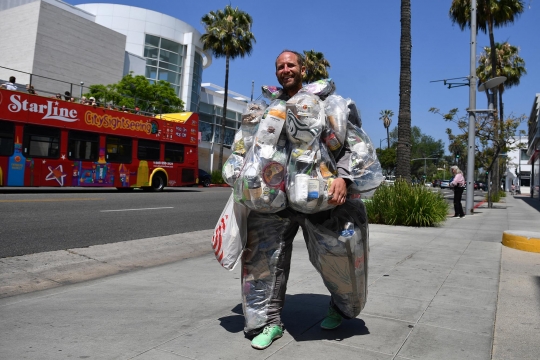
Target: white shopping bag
(230,234)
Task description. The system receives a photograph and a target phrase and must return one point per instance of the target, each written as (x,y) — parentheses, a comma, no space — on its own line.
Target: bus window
(83,146)
(7,132)
(148,150)
(119,149)
(174,152)
(41,141)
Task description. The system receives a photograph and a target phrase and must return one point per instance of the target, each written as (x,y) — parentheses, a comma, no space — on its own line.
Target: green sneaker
(269,334)
(332,320)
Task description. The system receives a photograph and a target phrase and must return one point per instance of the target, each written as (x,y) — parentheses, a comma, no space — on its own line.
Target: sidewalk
(452,292)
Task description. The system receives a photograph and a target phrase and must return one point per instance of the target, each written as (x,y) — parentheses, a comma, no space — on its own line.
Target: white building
(59,47)
(518,170)
(533,150)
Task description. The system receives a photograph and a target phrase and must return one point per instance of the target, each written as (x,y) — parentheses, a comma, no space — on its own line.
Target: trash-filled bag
(311,169)
(337,112)
(339,250)
(261,183)
(243,141)
(364,166)
(322,88)
(230,234)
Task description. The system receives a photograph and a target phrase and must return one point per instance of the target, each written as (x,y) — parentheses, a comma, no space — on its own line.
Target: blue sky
(361,41)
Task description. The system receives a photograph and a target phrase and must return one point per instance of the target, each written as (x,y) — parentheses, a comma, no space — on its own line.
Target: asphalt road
(39,220)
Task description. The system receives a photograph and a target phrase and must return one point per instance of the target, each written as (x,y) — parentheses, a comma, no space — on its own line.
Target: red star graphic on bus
(56,174)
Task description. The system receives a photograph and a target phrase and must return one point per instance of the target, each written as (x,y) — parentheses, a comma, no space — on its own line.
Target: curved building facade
(158,46)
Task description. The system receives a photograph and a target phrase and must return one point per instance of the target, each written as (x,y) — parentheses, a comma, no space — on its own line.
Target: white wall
(18,26)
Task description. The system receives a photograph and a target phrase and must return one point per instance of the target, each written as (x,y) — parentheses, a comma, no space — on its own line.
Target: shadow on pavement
(534,203)
(301,316)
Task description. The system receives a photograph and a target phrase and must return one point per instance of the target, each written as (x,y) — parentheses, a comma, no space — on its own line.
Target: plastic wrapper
(322,88)
(305,118)
(339,250)
(311,168)
(337,113)
(271,124)
(364,166)
(271,92)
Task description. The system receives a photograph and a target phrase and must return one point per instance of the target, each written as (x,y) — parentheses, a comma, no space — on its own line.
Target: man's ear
(303,71)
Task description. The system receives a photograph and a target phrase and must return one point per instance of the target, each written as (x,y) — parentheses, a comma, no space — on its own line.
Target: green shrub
(502,193)
(217,178)
(495,197)
(406,204)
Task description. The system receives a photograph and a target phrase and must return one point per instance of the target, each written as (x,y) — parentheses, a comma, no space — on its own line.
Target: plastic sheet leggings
(266,263)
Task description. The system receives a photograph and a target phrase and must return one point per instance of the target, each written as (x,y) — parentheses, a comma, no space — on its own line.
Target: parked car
(479,185)
(204,178)
(445,184)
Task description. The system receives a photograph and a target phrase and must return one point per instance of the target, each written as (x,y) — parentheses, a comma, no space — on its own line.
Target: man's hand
(338,190)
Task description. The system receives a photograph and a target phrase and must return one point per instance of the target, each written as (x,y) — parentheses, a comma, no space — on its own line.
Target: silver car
(445,184)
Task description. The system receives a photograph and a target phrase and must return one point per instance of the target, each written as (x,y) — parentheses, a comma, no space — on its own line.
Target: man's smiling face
(289,73)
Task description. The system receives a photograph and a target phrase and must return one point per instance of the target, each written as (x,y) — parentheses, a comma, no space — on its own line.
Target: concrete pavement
(451,292)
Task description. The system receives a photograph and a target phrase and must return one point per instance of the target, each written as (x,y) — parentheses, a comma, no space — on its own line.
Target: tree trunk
(403,168)
(388,137)
(224,117)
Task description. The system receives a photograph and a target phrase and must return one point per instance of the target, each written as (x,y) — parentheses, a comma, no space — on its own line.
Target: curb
(522,240)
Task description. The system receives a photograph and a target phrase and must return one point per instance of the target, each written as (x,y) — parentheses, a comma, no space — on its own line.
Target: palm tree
(489,14)
(386,116)
(403,166)
(316,66)
(509,64)
(228,34)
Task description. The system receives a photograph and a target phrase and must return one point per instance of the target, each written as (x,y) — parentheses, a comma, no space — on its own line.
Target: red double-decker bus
(51,142)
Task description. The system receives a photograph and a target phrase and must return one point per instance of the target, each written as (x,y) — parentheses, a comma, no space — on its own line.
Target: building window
(7,133)
(524,156)
(83,146)
(174,152)
(41,141)
(196,83)
(118,149)
(164,60)
(148,150)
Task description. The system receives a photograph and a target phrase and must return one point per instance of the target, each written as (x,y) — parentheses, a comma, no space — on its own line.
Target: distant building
(518,170)
(533,150)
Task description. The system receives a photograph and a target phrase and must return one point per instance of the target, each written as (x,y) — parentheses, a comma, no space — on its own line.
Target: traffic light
(457,155)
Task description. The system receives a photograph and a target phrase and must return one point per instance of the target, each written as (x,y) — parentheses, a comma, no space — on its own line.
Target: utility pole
(469,205)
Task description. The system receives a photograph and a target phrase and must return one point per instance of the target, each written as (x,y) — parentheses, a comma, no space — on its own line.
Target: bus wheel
(158,182)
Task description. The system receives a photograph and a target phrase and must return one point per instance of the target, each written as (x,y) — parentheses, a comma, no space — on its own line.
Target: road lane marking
(159,208)
(49,200)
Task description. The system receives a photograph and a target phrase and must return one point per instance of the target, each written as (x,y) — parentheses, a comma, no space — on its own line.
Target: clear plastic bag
(230,234)
(339,250)
(337,112)
(259,262)
(364,166)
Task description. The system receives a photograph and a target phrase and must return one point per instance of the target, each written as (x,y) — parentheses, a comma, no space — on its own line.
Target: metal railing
(67,97)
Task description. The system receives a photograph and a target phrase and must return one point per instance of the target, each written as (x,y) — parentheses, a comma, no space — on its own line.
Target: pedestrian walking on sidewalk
(273,233)
(458,185)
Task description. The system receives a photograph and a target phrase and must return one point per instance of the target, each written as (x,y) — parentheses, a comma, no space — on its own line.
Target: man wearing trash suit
(267,256)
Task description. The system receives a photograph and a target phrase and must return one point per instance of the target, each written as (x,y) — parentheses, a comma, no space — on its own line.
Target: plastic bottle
(348,230)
